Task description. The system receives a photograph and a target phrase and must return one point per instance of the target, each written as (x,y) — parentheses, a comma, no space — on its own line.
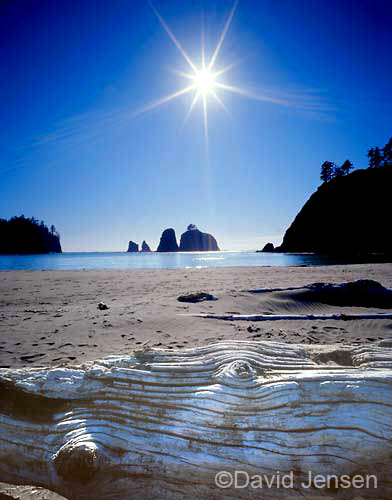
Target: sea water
(153,260)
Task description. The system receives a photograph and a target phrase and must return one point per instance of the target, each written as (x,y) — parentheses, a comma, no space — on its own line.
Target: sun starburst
(204,79)
(205,83)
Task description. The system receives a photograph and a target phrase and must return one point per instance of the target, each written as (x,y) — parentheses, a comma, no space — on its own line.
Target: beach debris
(229,406)
(102,306)
(196,297)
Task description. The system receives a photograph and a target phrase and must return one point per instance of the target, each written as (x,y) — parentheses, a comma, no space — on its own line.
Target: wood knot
(238,373)
(78,461)
(242,369)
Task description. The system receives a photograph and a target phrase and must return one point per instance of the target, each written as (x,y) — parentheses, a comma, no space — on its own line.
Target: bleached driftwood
(279,317)
(160,424)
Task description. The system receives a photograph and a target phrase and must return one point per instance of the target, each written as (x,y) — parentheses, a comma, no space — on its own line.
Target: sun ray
(219,100)
(253,95)
(205,117)
(203,50)
(228,67)
(173,38)
(182,73)
(163,100)
(222,37)
(194,101)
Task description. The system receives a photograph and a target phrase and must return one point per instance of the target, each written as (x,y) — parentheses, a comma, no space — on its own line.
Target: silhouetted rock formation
(21,235)
(168,242)
(133,247)
(268,247)
(347,215)
(145,247)
(194,240)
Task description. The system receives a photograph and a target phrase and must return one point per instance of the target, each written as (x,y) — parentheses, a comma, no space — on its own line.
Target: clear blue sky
(75,152)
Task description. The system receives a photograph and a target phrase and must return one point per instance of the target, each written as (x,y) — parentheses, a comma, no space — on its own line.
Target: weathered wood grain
(162,423)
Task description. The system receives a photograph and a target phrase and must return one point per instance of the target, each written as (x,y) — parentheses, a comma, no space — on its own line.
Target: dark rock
(269,247)
(145,247)
(168,242)
(133,247)
(361,293)
(194,240)
(349,215)
(102,306)
(196,297)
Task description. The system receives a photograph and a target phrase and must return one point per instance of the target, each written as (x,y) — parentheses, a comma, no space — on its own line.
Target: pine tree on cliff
(346,167)
(387,154)
(327,171)
(375,157)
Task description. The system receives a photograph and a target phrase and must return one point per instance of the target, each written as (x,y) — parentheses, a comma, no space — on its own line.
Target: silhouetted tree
(387,154)
(327,171)
(338,172)
(20,235)
(375,158)
(346,167)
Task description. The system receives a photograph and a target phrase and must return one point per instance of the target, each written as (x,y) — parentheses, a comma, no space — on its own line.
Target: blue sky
(77,152)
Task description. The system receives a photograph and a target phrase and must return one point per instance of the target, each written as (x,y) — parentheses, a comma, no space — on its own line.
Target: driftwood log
(161,424)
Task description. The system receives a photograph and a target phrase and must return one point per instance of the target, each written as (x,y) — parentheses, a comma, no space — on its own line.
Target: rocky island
(145,247)
(133,247)
(168,241)
(268,247)
(194,240)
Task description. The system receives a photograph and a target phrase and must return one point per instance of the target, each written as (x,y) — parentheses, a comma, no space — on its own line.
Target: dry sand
(51,317)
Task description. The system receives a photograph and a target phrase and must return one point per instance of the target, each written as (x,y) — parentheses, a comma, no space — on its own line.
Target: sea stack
(168,242)
(194,240)
(145,247)
(268,247)
(133,247)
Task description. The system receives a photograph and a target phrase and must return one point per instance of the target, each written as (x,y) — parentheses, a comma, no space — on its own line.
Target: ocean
(175,260)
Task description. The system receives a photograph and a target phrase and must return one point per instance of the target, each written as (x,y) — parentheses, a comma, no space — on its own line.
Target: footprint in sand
(31,357)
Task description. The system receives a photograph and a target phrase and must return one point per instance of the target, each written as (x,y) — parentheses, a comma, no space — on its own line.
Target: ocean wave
(209,258)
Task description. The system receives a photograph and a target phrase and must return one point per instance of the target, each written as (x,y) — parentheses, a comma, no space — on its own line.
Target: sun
(204,81)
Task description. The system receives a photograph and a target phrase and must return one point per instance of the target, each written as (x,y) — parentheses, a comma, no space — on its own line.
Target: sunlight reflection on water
(154,260)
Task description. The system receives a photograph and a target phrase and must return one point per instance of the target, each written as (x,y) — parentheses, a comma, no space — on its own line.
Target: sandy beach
(51,317)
